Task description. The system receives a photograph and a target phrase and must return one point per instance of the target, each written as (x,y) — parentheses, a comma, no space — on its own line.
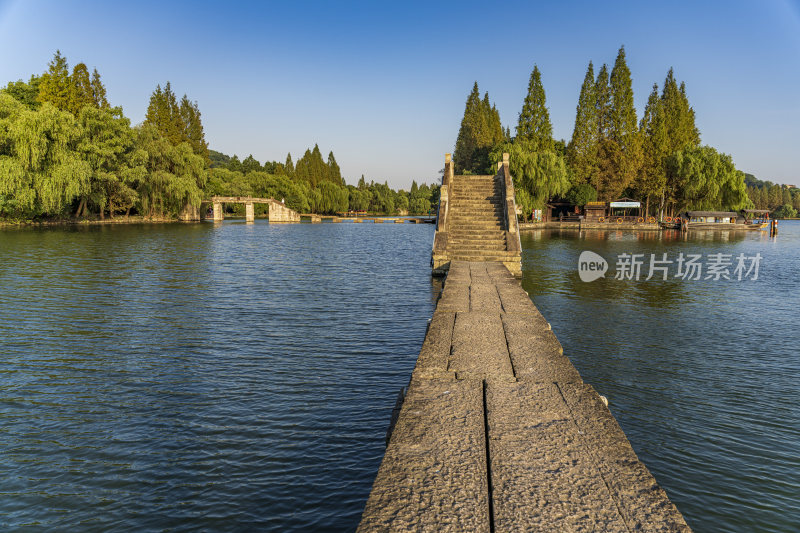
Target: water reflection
(700,374)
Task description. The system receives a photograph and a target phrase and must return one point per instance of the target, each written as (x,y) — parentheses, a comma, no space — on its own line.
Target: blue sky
(383,84)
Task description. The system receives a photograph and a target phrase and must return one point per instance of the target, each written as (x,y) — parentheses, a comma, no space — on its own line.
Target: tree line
(65,151)
(313,185)
(657,158)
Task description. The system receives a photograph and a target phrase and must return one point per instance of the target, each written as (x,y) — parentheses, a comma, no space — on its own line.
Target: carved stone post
(218,213)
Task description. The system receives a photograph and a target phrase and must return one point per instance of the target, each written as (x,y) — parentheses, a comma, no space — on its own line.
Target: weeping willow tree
(176,175)
(702,178)
(117,164)
(41,170)
(538,175)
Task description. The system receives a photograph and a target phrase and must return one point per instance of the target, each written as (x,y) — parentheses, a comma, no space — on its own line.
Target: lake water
(241,376)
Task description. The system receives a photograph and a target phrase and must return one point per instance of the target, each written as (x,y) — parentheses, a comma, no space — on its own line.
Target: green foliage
(679,116)
(27,93)
(702,178)
(177,122)
(785,211)
(581,194)
(652,178)
(117,165)
(542,175)
(334,173)
(480,131)
(176,175)
(55,85)
(534,125)
(602,102)
(41,170)
(582,148)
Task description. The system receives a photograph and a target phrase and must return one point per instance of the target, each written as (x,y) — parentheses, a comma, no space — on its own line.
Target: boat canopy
(722,214)
(755,211)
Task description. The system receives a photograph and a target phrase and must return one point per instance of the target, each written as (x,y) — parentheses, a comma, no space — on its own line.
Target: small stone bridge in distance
(278,212)
(497,431)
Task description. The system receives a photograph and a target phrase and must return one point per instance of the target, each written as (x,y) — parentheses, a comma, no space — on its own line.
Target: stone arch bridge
(278,212)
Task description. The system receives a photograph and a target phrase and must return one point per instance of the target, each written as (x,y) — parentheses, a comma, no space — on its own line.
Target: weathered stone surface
(458,273)
(535,351)
(484,298)
(542,475)
(642,502)
(455,297)
(491,370)
(479,347)
(434,357)
(433,476)
(514,299)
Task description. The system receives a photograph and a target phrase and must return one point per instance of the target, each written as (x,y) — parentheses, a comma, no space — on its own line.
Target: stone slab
(642,502)
(434,357)
(479,347)
(542,476)
(535,351)
(433,476)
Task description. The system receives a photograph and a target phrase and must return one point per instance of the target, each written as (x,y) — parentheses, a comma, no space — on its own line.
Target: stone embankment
(498,432)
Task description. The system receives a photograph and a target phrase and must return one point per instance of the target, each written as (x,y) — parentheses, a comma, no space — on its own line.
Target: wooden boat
(716,220)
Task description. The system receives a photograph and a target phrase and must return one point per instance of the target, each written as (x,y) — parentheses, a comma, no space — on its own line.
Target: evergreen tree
(622,130)
(164,114)
(602,102)
(55,85)
(681,130)
(250,164)
(334,173)
(80,89)
(98,91)
(534,119)
(289,165)
(652,130)
(192,128)
(582,149)
(480,131)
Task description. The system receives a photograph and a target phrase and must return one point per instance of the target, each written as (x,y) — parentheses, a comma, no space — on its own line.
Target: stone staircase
(476,220)
(477,227)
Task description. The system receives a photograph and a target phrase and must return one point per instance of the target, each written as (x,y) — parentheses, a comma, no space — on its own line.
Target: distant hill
(218,159)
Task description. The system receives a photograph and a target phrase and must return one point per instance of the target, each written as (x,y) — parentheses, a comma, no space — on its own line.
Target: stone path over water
(498,432)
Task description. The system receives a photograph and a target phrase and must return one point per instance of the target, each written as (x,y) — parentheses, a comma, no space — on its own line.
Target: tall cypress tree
(681,130)
(80,89)
(534,119)
(652,177)
(163,113)
(98,91)
(582,149)
(289,165)
(334,172)
(55,86)
(623,129)
(602,102)
(480,130)
(467,142)
(193,128)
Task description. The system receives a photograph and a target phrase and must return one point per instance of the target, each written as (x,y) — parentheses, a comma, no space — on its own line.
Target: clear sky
(383,84)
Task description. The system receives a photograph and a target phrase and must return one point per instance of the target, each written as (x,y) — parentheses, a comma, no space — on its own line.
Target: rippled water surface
(241,376)
(703,376)
(229,377)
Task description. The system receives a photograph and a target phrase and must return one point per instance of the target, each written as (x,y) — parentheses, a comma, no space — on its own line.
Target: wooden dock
(498,432)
